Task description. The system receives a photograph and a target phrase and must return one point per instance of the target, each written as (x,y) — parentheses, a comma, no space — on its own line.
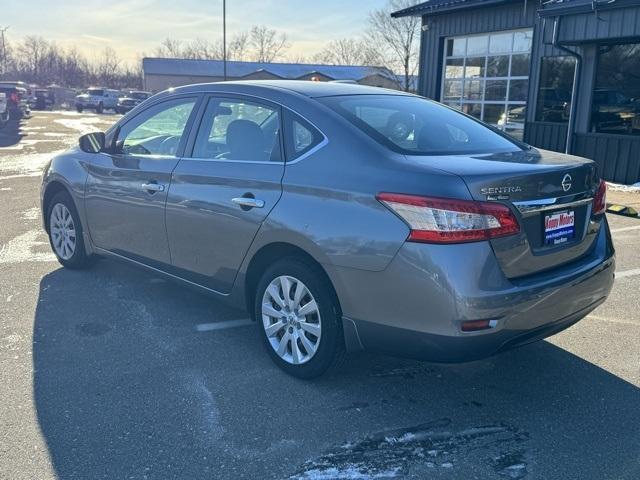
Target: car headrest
(434,136)
(246,141)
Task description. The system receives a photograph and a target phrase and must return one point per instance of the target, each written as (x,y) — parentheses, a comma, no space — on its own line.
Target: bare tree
(108,66)
(169,48)
(267,44)
(31,51)
(202,49)
(348,51)
(238,46)
(396,38)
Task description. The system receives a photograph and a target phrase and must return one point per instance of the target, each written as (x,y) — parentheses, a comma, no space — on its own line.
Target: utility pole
(224,38)
(4,49)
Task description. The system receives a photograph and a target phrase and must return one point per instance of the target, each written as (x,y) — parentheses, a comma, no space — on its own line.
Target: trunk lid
(550,193)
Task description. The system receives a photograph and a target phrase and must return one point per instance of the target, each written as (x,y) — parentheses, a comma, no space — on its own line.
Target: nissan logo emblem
(566,182)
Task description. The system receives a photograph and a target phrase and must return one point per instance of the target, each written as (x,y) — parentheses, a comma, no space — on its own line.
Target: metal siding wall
(616,155)
(614,23)
(465,22)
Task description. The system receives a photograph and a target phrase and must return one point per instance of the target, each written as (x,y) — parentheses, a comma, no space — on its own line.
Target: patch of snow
(21,249)
(25,165)
(82,125)
(617,187)
(31,214)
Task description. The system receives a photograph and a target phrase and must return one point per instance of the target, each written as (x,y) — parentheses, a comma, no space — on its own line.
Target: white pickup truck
(98,99)
(4,111)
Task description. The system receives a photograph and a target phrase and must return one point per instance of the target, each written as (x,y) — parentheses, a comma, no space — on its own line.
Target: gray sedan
(342,217)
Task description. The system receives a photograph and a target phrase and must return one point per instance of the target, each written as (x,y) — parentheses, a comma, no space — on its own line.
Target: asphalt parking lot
(112,373)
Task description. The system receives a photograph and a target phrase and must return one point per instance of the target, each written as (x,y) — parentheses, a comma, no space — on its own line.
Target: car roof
(302,87)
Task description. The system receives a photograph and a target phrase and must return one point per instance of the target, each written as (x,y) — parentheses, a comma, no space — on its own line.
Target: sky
(135,27)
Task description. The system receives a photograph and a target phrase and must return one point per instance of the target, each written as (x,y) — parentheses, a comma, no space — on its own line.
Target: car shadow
(11,134)
(127,386)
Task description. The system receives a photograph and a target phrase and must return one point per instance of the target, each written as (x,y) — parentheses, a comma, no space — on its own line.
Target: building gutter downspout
(576,84)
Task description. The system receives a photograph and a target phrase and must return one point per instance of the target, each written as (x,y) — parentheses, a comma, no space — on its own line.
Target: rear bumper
(417,306)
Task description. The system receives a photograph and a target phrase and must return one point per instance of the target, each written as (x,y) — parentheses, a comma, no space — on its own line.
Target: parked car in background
(98,99)
(440,238)
(16,100)
(4,112)
(130,100)
(44,99)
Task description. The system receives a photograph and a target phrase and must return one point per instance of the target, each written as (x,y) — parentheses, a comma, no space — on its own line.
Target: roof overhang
(442,6)
(574,7)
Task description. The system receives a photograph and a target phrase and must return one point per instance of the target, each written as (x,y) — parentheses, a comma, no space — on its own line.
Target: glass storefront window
(520,65)
(501,43)
(556,85)
(616,98)
(475,67)
(487,76)
(518,90)
(496,90)
(454,68)
(477,45)
(498,66)
(473,89)
(522,41)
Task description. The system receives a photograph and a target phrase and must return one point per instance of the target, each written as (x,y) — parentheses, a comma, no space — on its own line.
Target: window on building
(487,76)
(556,85)
(616,98)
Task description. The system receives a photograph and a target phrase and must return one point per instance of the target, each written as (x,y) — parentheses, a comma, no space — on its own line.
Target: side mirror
(92,142)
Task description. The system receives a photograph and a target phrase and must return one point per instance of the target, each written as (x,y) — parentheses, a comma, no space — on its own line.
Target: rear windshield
(417,126)
(95,91)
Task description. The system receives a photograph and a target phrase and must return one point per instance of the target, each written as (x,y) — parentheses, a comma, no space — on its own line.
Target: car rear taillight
(600,199)
(15,98)
(446,220)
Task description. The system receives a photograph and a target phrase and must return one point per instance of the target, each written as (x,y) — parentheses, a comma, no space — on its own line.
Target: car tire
(79,109)
(100,108)
(65,233)
(321,326)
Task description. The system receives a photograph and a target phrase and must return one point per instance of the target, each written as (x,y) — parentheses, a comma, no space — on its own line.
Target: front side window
(487,76)
(556,85)
(157,130)
(239,130)
(616,98)
(416,126)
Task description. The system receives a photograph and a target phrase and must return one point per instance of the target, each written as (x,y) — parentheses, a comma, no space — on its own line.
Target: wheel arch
(269,253)
(52,189)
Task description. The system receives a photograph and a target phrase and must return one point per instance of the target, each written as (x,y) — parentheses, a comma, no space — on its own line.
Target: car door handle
(248,202)
(153,187)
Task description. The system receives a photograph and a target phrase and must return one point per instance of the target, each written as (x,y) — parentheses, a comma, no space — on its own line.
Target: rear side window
(238,129)
(417,126)
(96,92)
(300,136)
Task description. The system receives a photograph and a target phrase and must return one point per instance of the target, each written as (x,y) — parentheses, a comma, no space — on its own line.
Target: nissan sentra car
(343,217)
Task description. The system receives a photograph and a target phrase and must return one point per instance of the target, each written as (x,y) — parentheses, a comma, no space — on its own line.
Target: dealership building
(563,75)
(162,73)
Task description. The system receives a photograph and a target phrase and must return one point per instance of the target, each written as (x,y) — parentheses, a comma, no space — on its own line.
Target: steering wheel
(169,145)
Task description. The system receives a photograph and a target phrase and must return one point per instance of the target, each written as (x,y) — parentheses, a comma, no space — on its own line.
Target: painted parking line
(612,320)
(628,273)
(208,327)
(625,229)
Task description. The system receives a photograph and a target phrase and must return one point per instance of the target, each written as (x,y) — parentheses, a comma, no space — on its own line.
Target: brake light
(446,220)
(600,199)
(14,97)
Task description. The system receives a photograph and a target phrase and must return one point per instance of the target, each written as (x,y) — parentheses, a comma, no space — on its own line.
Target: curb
(621,210)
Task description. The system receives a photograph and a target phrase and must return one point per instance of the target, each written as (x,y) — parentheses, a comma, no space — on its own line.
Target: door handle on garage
(153,187)
(248,202)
